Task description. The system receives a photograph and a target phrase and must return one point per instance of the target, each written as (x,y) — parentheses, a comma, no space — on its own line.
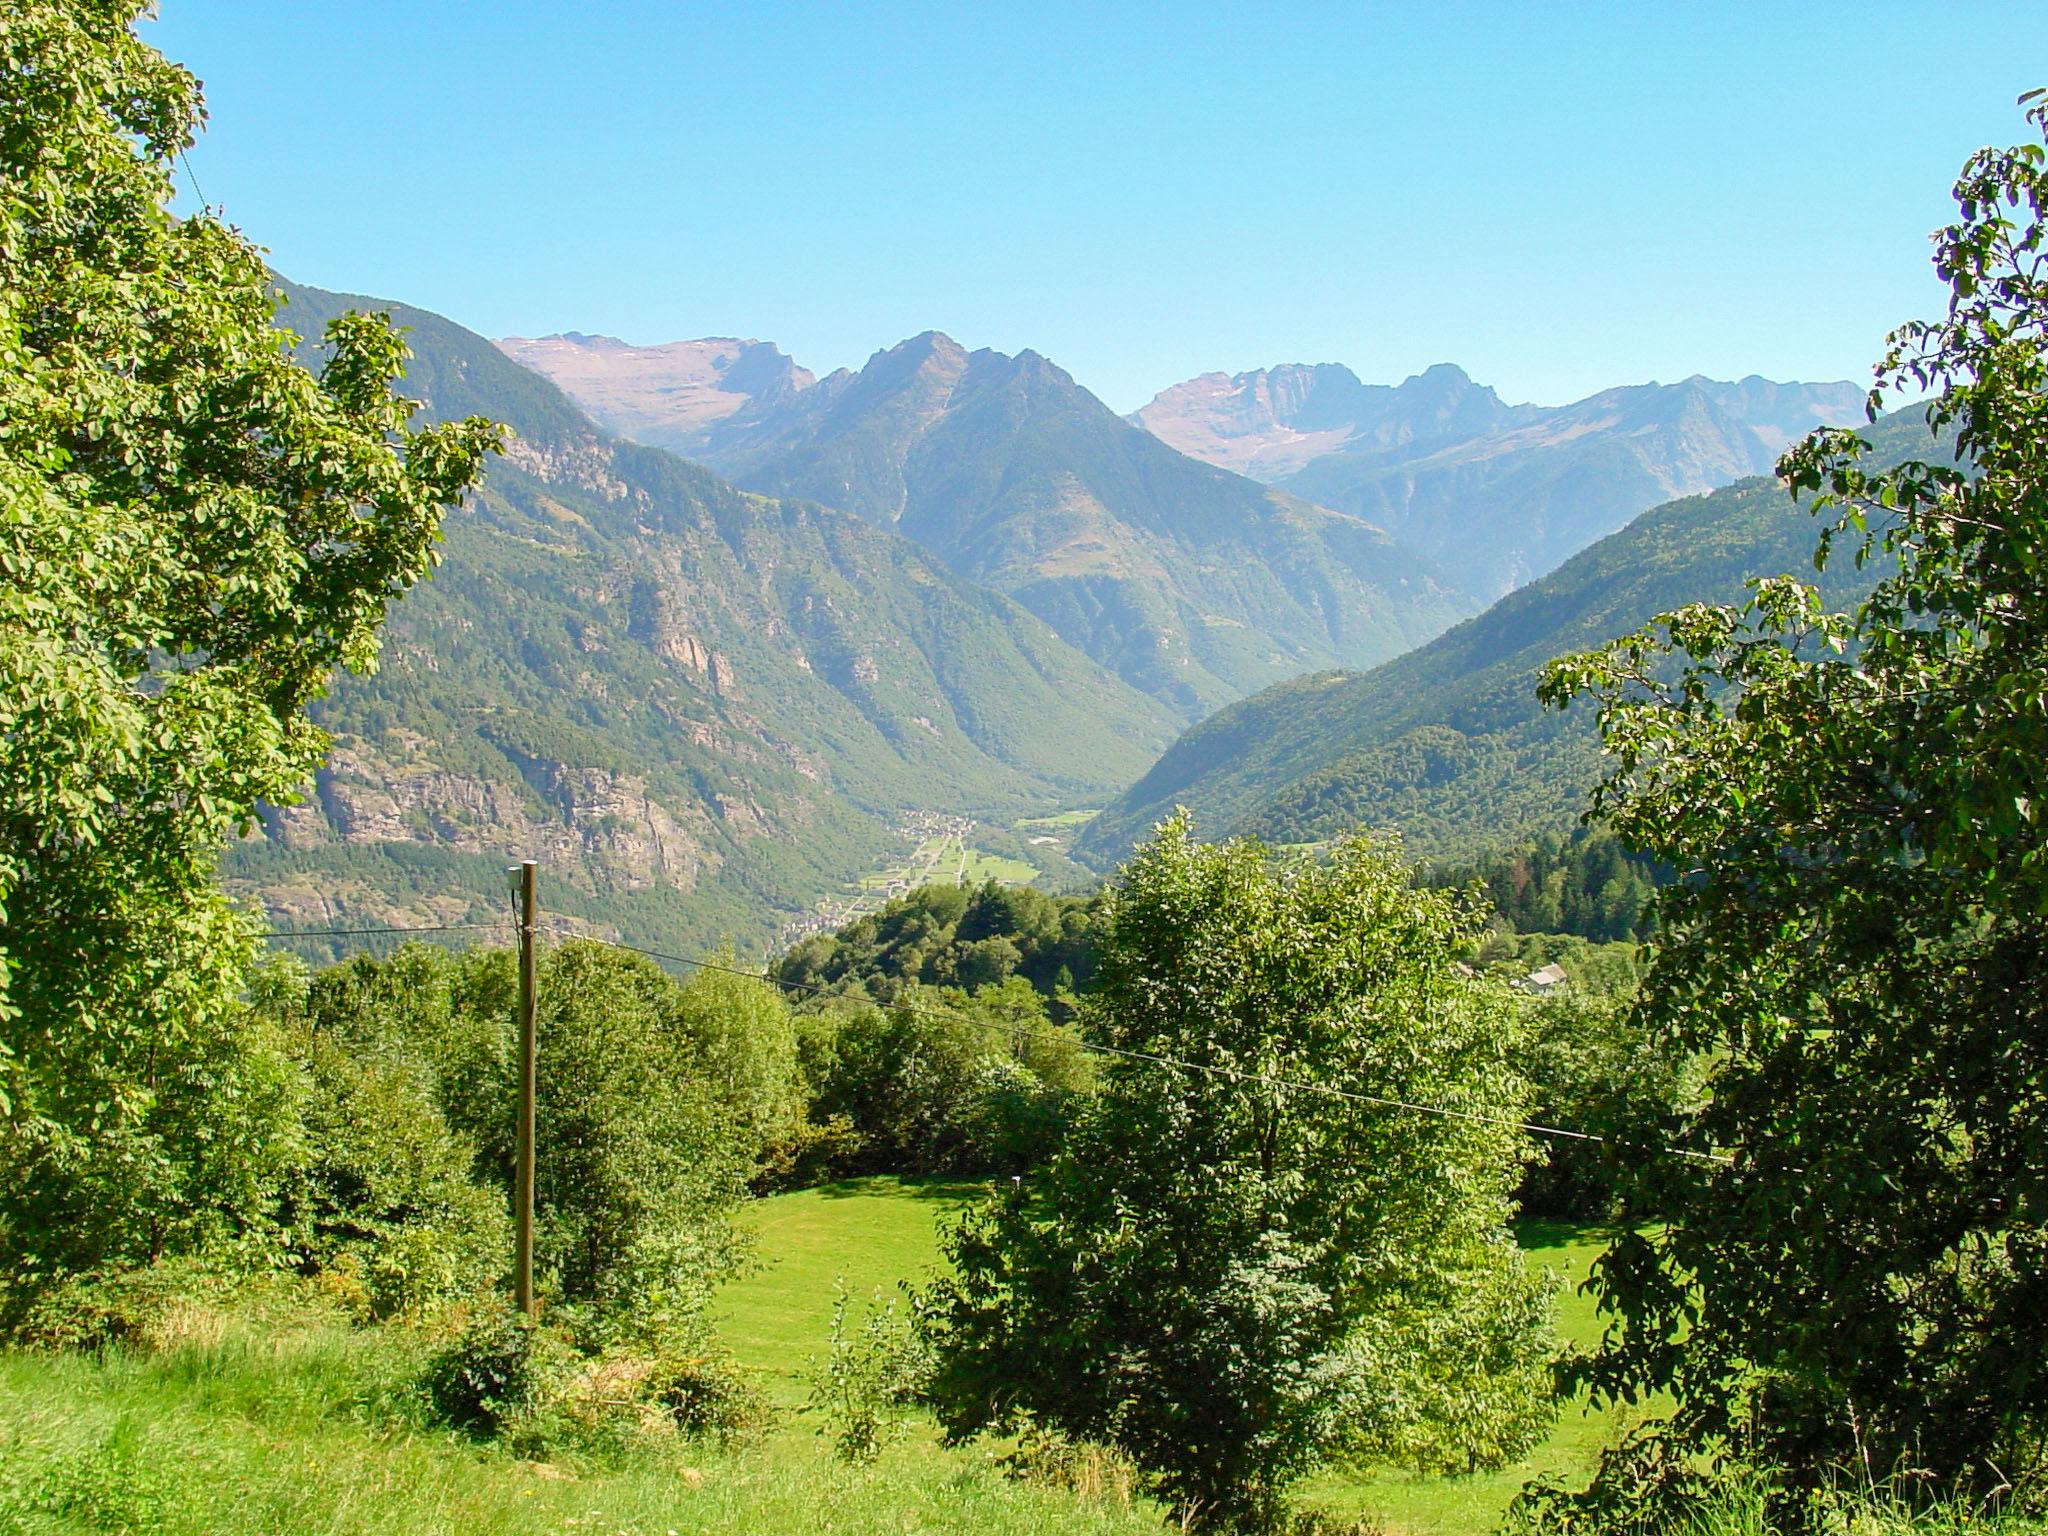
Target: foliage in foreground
(194,532)
(1863,802)
(1232,1282)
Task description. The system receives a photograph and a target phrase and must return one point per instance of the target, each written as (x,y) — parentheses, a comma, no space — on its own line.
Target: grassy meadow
(250,1426)
(873,1233)
(246,1425)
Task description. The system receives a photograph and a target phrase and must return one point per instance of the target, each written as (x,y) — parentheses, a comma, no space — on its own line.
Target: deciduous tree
(1856,806)
(194,532)
(1234,1280)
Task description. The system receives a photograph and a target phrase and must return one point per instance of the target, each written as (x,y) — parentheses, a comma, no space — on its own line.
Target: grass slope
(254,1436)
(866,1234)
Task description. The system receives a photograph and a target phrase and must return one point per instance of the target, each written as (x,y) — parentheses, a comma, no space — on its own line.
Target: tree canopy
(195,532)
(1855,805)
(1233,1280)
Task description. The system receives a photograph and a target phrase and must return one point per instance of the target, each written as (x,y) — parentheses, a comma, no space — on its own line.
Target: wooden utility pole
(522,1196)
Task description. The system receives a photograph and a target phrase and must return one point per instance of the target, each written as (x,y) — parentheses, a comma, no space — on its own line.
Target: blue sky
(1556,196)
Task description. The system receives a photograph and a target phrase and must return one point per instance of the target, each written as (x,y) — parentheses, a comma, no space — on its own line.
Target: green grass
(869,1233)
(307,1431)
(978,865)
(874,1233)
(1055,822)
(253,1427)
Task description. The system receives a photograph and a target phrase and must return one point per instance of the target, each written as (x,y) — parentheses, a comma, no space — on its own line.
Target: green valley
(701,708)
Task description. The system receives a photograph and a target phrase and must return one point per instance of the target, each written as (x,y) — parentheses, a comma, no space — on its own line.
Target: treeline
(916,1019)
(949,935)
(1586,884)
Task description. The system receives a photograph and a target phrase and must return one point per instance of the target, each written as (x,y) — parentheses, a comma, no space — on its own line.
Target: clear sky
(1557,196)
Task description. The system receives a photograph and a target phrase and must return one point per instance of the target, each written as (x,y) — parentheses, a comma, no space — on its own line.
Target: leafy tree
(944,1081)
(639,1158)
(1231,1281)
(381,1191)
(1858,806)
(1594,1064)
(744,1044)
(194,532)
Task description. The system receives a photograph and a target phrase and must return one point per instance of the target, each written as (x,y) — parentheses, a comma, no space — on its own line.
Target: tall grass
(319,1430)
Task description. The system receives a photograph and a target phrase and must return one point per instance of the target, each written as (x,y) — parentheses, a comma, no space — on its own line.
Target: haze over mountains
(1495,494)
(1489,494)
(1189,582)
(956,584)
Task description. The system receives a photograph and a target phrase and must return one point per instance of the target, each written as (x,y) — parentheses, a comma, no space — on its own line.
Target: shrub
(707,1395)
(868,1374)
(500,1369)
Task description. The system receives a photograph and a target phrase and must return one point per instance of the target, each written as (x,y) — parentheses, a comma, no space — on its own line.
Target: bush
(169,1305)
(946,1083)
(130,1309)
(869,1373)
(384,1196)
(707,1395)
(499,1370)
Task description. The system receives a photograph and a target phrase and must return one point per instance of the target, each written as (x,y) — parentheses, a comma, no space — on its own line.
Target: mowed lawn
(872,1234)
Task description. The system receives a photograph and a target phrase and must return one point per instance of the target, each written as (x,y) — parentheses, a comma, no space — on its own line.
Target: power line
(354,933)
(186,161)
(1235,1074)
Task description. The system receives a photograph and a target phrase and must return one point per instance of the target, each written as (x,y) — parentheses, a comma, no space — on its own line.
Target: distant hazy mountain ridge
(1274,422)
(1496,494)
(1191,583)
(1448,744)
(688,396)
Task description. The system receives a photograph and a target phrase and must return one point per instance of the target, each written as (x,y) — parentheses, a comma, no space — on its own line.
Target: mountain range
(1494,494)
(955,584)
(1448,744)
(702,708)
(1190,582)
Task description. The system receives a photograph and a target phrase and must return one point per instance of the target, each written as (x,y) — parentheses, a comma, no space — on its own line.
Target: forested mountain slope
(1495,494)
(701,708)
(1189,582)
(1448,743)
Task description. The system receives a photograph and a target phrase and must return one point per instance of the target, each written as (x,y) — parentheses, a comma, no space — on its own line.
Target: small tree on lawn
(1232,1280)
